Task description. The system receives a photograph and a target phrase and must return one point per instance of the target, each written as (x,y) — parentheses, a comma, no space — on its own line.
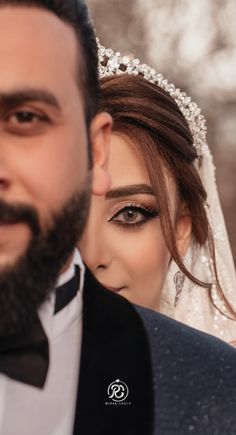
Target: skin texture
(132,260)
(43,144)
(45,180)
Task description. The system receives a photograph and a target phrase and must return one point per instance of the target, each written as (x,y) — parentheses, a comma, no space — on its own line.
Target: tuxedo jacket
(115,346)
(180,381)
(194,379)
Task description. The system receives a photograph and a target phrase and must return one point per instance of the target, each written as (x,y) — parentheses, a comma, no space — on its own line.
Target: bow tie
(24,357)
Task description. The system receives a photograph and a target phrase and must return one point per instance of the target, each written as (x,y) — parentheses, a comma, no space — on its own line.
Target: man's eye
(25,117)
(25,122)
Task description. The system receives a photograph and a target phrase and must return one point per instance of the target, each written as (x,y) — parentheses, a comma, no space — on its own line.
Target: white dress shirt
(27,410)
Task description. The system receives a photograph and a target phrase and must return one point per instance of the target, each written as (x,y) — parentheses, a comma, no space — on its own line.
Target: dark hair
(75,13)
(152,120)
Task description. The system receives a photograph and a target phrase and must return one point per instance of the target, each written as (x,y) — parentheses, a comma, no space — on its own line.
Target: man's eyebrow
(133,189)
(22,96)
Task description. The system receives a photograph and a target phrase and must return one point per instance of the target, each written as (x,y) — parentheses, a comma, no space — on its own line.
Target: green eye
(131,216)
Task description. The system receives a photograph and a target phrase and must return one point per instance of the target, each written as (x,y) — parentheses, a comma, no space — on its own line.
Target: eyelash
(146,212)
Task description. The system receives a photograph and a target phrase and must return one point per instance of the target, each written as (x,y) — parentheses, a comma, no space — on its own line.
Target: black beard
(26,284)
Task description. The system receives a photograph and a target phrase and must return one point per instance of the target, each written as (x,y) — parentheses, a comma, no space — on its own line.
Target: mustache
(20,213)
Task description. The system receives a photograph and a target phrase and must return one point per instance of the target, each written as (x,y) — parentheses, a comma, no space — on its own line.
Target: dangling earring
(179,278)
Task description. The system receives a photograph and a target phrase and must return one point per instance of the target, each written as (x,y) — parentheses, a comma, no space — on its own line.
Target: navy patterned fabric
(194,379)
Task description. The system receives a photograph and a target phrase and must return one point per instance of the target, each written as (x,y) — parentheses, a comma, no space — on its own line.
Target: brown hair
(151,119)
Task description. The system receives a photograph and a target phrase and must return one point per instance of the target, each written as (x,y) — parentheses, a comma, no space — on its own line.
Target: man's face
(43,142)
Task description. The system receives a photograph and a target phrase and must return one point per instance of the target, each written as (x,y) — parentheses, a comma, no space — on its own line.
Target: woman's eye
(129,215)
(133,216)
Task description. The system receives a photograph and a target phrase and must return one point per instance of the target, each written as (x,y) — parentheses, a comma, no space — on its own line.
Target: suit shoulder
(115,309)
(178,336)
(194,378)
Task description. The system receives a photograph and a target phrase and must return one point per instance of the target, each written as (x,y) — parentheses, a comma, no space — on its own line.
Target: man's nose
(5,178)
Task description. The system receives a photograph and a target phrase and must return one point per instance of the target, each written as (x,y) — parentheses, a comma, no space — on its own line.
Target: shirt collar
(56,324)
(69,272)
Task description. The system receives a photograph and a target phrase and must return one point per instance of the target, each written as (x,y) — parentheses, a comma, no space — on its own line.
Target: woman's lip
(113,289)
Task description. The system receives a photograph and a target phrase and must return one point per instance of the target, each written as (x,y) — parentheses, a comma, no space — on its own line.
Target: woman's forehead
(127,166)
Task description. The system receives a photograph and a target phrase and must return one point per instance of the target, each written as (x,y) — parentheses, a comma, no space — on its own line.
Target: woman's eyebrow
(133,189)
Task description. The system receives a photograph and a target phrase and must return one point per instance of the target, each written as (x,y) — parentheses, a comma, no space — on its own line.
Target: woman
(158,238)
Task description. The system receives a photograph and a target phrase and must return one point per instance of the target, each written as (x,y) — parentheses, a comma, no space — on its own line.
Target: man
(75,358)
(49,130)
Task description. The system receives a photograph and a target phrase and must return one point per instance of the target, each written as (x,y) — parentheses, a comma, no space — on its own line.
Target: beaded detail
(113,63)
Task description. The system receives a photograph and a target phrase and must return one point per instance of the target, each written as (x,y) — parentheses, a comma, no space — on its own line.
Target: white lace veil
(194,306)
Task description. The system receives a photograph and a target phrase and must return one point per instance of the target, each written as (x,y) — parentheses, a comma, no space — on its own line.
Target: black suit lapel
(114,346)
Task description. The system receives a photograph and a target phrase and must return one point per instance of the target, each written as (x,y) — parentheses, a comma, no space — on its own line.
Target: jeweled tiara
(113,63)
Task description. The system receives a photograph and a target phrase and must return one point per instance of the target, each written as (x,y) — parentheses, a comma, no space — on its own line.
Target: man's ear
(184,231)
(100,131)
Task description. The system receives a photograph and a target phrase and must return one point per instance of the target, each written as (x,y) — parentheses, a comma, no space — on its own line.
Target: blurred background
(193,44)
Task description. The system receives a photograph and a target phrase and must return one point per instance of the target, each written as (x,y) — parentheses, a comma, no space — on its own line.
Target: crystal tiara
(113,63)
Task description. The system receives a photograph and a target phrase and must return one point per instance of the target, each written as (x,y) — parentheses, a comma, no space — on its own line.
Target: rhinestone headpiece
(113,63)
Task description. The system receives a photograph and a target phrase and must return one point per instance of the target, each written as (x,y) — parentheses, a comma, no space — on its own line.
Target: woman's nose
(94,247)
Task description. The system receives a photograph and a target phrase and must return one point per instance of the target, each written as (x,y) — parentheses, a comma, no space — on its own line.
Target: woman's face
(123,243)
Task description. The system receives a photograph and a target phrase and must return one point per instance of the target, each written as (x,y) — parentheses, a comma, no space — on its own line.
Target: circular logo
(118,391)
